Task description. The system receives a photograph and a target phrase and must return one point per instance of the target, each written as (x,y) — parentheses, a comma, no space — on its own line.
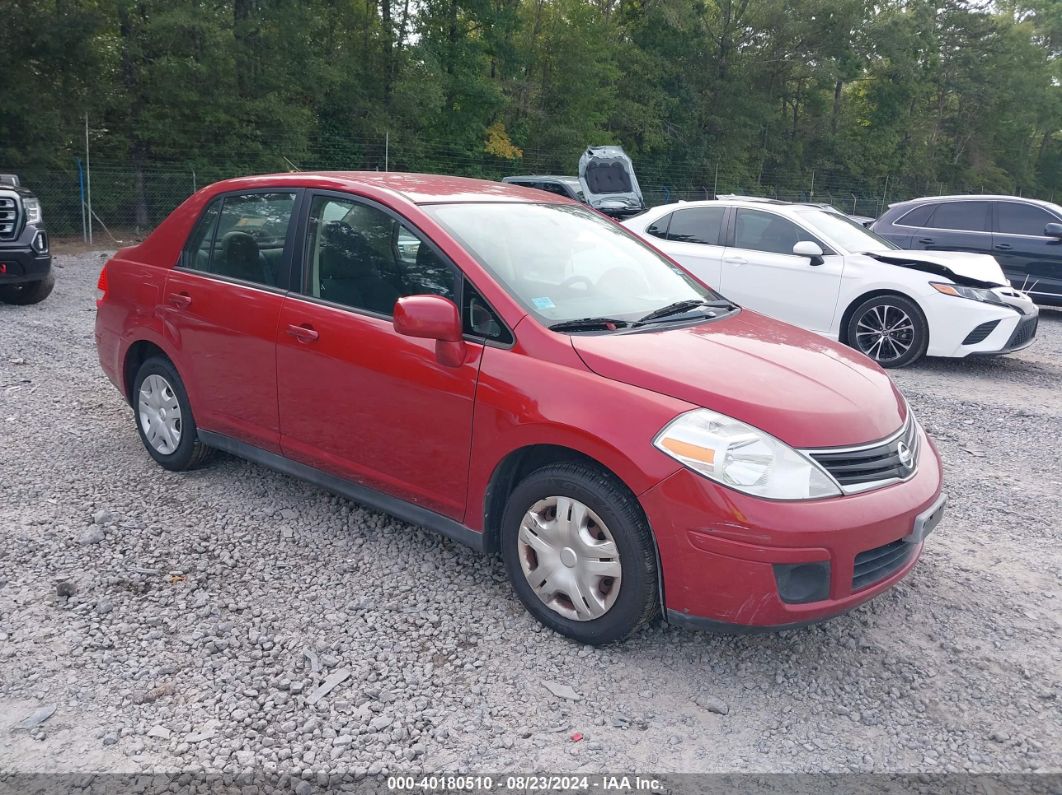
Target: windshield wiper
(589,324)
(682,307)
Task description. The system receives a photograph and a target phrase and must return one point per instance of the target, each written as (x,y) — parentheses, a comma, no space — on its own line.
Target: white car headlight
(972,293)
(737,455)
(33,210)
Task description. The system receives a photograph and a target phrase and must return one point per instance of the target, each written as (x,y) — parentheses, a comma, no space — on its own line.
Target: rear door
(694,237)
(222,302)
(357,399)
(956,226)
(1030,259)
(761,271)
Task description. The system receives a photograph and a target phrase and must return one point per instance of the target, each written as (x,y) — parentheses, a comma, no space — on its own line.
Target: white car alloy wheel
(885,333)
(160,414)
(569,558)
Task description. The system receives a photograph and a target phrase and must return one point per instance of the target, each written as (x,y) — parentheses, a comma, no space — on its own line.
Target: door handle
(180,300)
(926,240)
(1004,246)
(304,333)
(735,260)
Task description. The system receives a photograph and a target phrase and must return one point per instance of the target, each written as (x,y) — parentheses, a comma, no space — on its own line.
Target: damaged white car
(816,268)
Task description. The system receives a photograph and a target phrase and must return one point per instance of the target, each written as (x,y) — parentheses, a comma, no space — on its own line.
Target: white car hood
(979,267)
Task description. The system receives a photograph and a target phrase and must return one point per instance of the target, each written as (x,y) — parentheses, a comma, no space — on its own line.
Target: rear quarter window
(919,216)
(659,227)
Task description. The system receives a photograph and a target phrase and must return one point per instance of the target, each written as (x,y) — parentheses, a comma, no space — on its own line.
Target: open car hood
(972,270)
(609,185)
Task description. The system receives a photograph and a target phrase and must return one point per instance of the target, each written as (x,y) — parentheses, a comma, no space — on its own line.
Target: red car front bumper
(719,548)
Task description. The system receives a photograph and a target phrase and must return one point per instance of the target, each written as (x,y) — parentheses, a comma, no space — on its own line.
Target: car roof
(416,188)
(749,202)
(972,197)
(541,176)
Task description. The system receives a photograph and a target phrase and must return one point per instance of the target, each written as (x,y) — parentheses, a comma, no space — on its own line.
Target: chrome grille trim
(870,466)
(10,215)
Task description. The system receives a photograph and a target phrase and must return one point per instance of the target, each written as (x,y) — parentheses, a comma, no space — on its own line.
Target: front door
(222,303)
(356,398)
(956,226)
(761,272)
(1030,259)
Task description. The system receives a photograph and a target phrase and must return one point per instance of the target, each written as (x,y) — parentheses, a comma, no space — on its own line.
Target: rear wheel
(28,292)
(164,417)
(579,553)
(890,329)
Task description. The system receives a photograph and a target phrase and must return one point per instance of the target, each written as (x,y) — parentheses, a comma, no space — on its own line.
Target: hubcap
(885,333)
(160,414)
(569,558)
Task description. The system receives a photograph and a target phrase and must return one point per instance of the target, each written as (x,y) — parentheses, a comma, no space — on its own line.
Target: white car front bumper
(959,327)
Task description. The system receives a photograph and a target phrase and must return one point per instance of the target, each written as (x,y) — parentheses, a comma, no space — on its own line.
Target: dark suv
(1024,235)
(25,262)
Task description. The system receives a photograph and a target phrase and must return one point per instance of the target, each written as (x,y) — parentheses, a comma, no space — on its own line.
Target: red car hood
(799,387)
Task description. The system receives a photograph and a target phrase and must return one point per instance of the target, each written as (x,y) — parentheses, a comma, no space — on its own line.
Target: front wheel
(579,553)
(28,292)
(890,329)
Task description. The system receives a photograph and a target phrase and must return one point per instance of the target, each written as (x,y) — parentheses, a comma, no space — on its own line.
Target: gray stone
(37,717)
(92,535)
(561,691)
(159,732)
(328,685)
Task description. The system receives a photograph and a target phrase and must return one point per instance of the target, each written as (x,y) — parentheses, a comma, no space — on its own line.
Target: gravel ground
(186,622)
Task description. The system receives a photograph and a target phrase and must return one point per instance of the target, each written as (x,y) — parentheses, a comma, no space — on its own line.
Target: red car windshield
(564,262)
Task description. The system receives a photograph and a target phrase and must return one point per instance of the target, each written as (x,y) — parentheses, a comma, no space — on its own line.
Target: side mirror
(435,318)
(807,248)
(1053,230)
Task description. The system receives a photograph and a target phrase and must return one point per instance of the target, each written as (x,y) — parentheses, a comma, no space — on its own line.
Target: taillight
(101,287)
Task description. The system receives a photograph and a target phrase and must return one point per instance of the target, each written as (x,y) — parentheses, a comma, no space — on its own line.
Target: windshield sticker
(543,303)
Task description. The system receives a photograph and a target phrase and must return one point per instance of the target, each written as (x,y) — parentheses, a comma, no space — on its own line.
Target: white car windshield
(851,236)
(565,263)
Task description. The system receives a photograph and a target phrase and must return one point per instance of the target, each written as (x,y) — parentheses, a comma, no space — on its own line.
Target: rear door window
(1014,218)
(697,225)
(251,236)
(961,216)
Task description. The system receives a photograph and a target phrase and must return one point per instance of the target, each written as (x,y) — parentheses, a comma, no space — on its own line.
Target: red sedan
(525,376)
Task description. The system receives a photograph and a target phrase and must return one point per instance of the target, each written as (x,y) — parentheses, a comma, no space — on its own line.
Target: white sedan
(816,268)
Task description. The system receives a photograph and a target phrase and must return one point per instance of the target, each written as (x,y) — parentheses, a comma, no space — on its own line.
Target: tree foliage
(931,95)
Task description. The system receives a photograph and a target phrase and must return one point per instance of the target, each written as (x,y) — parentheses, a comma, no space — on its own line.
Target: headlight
(973,293)
(742,457)
(33,210)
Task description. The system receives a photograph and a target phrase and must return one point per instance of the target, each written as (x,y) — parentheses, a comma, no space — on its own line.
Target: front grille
(1024,332)
(8,217)
(981,332)
(862,468)
(876,564)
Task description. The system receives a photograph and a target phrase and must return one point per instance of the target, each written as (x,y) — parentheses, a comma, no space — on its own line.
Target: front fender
(608,421)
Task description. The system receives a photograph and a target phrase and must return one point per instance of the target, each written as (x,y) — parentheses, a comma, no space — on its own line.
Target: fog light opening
(799,583)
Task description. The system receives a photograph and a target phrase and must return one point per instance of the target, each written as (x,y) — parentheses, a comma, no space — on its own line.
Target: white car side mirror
(806,248)
(813,251)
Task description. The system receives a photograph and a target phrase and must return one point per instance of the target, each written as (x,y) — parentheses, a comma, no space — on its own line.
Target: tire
(611,608)
(28,292)
(164,418)
(906,334)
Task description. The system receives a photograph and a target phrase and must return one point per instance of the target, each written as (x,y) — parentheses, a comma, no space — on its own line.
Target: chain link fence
(127,203)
